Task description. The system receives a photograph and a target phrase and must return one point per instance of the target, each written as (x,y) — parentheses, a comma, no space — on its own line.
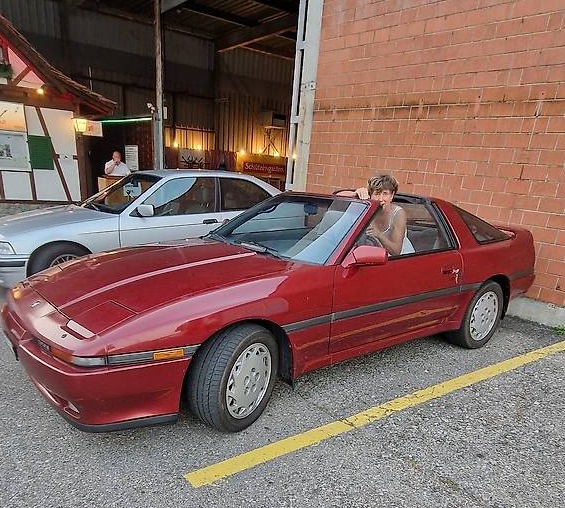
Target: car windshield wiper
(214,236)
(90,204)
(258,247)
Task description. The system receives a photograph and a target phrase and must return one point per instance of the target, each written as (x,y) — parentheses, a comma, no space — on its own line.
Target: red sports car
(118,339)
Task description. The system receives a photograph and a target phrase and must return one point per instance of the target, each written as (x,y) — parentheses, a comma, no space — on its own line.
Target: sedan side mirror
(365,255)
(146,210)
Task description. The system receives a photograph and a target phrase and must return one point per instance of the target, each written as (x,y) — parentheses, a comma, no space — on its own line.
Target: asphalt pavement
(496,442)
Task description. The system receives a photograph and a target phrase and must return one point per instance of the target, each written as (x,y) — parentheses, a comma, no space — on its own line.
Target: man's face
(116,157)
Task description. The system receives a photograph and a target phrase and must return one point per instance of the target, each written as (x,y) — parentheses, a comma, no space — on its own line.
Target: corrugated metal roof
(230,23)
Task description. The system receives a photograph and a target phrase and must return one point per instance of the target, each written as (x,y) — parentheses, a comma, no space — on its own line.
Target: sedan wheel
(481,319)
(55,254)
(232,376)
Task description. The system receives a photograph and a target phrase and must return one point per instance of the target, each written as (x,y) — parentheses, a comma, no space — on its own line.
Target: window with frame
(422,231)
(182,196)
(238,194)
(481,230)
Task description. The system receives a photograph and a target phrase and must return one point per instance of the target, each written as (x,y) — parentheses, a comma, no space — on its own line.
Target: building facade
(463,100)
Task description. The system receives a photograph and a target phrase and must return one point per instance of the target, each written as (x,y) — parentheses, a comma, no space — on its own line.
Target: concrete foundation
(540,312)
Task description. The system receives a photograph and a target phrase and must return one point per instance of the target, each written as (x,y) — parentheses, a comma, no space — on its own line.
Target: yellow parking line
(228,467)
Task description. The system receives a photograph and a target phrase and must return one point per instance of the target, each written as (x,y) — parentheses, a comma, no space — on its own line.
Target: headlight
(6,248)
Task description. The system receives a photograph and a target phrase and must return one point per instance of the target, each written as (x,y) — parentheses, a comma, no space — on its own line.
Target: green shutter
(40,152)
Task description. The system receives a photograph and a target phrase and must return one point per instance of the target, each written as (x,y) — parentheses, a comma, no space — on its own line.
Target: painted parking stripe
(229,467)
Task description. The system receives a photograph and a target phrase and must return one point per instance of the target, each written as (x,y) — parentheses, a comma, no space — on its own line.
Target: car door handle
(450,270)
(210,221)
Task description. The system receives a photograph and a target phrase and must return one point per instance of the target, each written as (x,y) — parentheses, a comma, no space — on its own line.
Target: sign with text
(93,128)
(262,167)
(132,157)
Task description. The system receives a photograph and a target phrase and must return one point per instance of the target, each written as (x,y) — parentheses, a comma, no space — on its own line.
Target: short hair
(379,183)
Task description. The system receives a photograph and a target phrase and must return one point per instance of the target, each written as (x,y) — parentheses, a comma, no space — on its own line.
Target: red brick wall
(457,101)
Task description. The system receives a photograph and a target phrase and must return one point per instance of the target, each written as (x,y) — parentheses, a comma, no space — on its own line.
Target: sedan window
(237,194)
(182,196)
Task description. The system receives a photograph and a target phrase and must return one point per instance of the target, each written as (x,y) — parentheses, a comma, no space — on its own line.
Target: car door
(183,207)
(408,293)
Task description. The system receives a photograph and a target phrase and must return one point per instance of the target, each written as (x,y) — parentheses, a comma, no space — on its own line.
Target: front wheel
(481,319)
(231,378)
(55,254)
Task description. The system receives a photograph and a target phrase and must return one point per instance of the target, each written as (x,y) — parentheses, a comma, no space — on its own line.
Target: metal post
(303,92)
(158,149)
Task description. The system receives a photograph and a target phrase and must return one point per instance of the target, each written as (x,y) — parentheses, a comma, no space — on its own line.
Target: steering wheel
(367,239)
(372,240)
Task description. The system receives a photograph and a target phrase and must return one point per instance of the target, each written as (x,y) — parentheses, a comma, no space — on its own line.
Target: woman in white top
(388,226)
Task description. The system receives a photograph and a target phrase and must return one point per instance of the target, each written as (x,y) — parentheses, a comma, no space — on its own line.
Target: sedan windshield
(116,197)
(302,228)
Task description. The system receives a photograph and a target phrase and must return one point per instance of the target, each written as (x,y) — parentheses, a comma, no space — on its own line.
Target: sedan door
(183,207)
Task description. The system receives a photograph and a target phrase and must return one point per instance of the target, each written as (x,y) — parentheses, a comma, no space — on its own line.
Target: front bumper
(100,399)
(12,269)
(106,398)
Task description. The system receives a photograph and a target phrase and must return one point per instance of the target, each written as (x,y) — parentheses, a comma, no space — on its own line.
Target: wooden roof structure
(63,91)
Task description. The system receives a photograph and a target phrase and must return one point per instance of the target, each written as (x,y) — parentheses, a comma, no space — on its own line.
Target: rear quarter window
(480,229)
(237,194)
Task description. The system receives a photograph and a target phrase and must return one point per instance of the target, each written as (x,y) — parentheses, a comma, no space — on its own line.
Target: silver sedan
(144,207)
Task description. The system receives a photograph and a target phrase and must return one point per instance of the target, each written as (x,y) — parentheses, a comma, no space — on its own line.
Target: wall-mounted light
(40,90)
(80,124)
(242,152)
(175,144)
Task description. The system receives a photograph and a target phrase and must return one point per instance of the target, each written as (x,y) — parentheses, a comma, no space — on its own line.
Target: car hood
(42,218)
(101,290)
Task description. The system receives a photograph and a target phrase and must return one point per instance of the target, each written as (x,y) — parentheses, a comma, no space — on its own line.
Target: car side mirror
(363,255)
(146,210)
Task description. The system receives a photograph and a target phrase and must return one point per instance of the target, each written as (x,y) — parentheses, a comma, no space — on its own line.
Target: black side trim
(368,309)
(307,323)
(128,424)
(12,264)
(519,275)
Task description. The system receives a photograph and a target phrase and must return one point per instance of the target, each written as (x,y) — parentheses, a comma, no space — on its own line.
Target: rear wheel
(55,254)
(481,319)
(231,378)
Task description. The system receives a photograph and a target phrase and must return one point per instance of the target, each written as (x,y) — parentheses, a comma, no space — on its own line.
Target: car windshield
(293,226)
(116,197)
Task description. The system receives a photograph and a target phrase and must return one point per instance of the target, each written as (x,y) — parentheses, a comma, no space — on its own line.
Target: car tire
(55,254)
(232,376)
(481,319)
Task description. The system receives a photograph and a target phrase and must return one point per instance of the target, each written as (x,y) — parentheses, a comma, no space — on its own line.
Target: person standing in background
(115,166)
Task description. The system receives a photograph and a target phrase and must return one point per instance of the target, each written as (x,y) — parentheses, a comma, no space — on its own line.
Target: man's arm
(109,167)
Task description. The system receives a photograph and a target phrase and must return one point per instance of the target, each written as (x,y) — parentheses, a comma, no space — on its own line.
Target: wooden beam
(248,35)
(167,5)
(289,6)
(279,52)
(218,14)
